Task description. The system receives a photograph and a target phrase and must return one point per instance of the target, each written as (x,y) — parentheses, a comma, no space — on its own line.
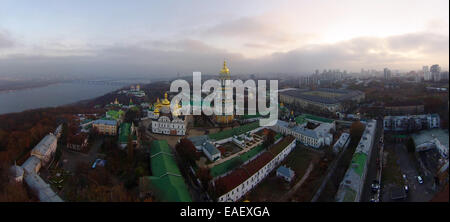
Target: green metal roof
(162,161)
(159,146)
(115,114)
(316,118)
(235,131)
(124,132)
(300,119)
(166,179)
(359,162)
(169,188)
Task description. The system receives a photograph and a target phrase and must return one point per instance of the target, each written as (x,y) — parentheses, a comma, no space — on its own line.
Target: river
(51,96)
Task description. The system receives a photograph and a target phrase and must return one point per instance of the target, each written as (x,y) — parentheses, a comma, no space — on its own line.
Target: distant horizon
(100,38)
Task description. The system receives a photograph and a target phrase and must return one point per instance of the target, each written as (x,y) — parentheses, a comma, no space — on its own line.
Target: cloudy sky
(83,37)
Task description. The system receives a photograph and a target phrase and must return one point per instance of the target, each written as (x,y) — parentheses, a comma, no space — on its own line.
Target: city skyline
(155,38)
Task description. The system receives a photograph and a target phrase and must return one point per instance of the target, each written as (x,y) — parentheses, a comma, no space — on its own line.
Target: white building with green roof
(351,187)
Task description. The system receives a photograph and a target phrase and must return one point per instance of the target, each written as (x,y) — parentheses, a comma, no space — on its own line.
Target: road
(372,165)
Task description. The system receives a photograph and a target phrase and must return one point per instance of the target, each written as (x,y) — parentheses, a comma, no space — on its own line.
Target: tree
(187,150)
(204,175)
(410,146)
(356,130)
(130,148)
(270,138)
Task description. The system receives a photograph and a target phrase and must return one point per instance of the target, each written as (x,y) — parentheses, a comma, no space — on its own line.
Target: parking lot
(416,192)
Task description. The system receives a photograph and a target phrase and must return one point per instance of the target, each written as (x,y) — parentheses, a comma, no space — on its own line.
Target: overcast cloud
(267,40)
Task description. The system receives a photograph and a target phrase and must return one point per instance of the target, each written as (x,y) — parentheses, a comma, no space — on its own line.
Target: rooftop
(105,122)
(30,164)
(210,148)
(44,192)
(115,114)
(235,131)
(42,147)
(124,133)
(427,135)
(305,94)
(287,172)
(166,180)
(241,174)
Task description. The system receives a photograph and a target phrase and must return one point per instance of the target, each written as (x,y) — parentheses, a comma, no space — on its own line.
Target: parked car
(375,186)
(419,179)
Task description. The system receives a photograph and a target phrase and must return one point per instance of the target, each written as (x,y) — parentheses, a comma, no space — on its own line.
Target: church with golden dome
(167,121)
(227,105)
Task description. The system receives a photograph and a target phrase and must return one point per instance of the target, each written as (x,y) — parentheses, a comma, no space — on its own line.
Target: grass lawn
(273,187)
(298,160)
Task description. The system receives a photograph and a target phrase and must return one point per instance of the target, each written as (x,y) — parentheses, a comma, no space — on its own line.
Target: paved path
(299,183)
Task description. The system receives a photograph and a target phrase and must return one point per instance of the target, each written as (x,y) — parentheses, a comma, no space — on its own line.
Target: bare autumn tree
(187,151)
(204,175)
(270,138)
(356,130)
(130,148)
(14,192)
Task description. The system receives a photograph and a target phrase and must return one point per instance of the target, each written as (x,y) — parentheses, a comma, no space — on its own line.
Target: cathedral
(227,105)
(166,121)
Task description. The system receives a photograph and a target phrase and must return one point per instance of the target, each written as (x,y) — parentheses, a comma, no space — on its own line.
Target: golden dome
(156,111)
(158,103)
(165,102)
(224,69)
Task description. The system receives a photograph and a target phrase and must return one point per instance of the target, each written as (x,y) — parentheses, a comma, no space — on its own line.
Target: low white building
(241,140)
(42,189)
(203,144)
(316,138)
(40,155)
(341,143)
(32,165)
(240,181)
(351,186)
(211,151)
(45,148)
(286,173)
